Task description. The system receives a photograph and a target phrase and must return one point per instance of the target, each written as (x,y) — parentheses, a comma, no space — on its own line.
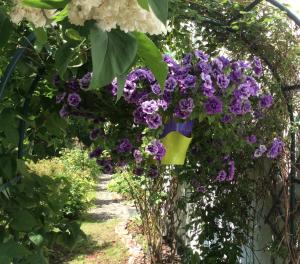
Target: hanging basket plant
(176,139)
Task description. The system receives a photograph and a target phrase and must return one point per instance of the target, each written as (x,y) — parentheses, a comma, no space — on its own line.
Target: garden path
(109,205)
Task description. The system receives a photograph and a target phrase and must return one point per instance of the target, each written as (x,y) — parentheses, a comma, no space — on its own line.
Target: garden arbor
(243,29)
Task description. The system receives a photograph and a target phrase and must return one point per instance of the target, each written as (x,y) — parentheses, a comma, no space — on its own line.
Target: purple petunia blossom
(96,153)
(266,101)
(207,86)
(251,139)
(150,107)
(73,84)
(276,149)
(260,151)
(153,172)
(185,108)
(204,67)
(170,84)
(155,88)
(254,87)
(156,149)
(74,99)
(153,121)
(201,55)
(221,176)
(187,59)
(129,89)
(226,119)
(60,97)
(63,112)
(124,146)
(162,104)
(231,171)
(137,154)
(223,81)
(139,116)
(213,106)
(257,66)
(190,81)
(85,81)
(236,107)
(95,133)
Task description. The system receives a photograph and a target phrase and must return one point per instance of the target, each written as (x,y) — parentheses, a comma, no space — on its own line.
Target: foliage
(77,174)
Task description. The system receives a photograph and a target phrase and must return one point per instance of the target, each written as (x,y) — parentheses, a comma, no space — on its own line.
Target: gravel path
(109,205)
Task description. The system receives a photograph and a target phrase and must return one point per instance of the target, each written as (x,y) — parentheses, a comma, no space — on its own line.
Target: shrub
(76,173)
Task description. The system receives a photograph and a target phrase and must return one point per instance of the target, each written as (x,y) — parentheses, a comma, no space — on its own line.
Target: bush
(76,173)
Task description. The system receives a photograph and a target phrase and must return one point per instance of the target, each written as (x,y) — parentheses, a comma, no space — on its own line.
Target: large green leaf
(23,221)
(144,4)
(46,4)
(160,9)
(12,249)
(112,54)
(152,57)
(5,28)
(63,57)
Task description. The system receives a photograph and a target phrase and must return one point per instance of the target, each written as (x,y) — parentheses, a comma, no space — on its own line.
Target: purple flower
(153,172)
(243,91)
(163,104)
(190,81)
(173,66)
(201,55)
(260,151)
(225,61)
(74,99)
(73,84)
(257,66)
(150,107)
(129,89)
(246,107)
(153,121)
(137,154)
(231,171)
(187,59)
(203,67)
(96,153)
(185,108)
(170,84)
(114,87)
(236,107)
(207,86)
(213,106)
(156,88)
(226,119)
(124,146)
(251,139)
(221,176)
(156,149)
(63,112)
(253,86)
(266,101)
(107,168)
(276,149)
(217,64)
(139,116)
(60,97)
(223,81)
(85,81)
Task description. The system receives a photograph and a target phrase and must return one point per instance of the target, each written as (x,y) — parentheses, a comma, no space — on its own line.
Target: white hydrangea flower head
(108,14)
(39,17)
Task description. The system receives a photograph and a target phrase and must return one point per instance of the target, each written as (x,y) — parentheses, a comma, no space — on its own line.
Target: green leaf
(144,4)
(112,54)
(41,38)
(73,34)
(12,249)
(36,239)
(60,16)
(152,57)
(5,28)
(46,4)
(121,85)
(63,57)
(23,221)
(160,9)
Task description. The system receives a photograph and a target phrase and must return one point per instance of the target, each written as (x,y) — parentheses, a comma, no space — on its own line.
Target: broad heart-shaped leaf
(63,57)
(152,57)
(121,84)
(46,4)
(112,54)
(23,221)
(160,9)
(144,4)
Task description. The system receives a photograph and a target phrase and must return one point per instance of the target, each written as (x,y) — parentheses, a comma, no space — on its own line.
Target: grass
(102,245)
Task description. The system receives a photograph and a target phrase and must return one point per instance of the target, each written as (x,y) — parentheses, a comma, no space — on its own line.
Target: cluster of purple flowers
(274,151)
(229,175)
(156,149)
